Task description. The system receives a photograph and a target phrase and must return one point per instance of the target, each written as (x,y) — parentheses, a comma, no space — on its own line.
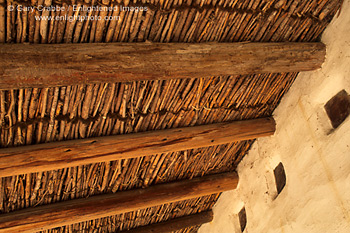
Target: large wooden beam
(74,211)
(42,65)
(56,155)
(175,224)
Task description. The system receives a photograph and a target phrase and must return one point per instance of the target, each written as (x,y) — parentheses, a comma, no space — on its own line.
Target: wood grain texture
(79,210)
(56,155)
(338,108)
(42,65)
(176,224)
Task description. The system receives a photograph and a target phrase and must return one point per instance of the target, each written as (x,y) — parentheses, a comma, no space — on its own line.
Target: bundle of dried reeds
(163,21)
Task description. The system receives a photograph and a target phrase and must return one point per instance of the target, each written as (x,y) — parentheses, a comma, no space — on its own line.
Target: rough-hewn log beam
(70,64)
(69,212)
(176,224)
(56,155)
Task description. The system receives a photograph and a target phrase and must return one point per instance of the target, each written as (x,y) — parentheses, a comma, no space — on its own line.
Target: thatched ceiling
(173,21)
(30,116)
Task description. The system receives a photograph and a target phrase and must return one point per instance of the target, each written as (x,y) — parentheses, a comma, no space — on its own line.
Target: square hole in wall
(242,218)
(280,177)
(338,108)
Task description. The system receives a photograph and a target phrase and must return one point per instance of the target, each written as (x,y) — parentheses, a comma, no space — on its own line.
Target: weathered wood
(2,21)
(56,155)
(43,65)
(73,211)
(175,224)
(338,108)
(242,216)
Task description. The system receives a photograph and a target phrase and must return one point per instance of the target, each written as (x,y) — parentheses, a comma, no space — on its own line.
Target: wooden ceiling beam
(47,65)
(79,210)
(57,155)
(175,224)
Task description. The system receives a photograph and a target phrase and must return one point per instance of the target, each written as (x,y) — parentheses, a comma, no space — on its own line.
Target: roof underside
(31,116)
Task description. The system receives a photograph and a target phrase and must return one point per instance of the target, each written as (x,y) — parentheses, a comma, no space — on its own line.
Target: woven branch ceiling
(31,116)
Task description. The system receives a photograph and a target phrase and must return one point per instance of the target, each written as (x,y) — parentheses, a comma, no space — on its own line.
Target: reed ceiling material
(135,107)
(172,21)
(36,115)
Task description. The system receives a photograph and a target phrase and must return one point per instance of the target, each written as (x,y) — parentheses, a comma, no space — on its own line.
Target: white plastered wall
(316,198)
